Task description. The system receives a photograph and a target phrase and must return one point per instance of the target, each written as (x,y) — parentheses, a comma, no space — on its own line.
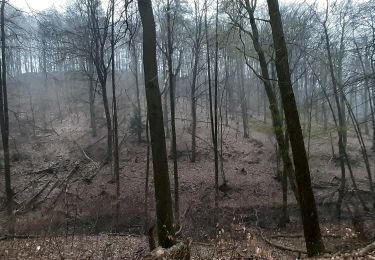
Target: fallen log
(64,183)
(367,249)
(295,250)
(36,196)
(48,170)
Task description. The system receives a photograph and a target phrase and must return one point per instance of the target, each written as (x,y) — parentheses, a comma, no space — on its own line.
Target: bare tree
(171,21)
(4,123)
(310,219)
(213,113)
(116,166)
(99,27)
(138,110)
(197,44)
(163,198)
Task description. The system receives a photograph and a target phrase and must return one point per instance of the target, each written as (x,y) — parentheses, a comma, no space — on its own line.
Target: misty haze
(187,129)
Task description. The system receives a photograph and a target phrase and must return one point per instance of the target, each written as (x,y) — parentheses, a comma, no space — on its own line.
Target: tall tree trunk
(373,114)
(164,211)
(165,100)
(107,113)
(276,115)
(345,159)
(363,148)
(138,109)
(147,176)
(4,125)
(284,183)
(216,89)
(373,102)
(367,131)
(341,120)
(92,98)
(193,101)
(243,100)
(213,136)
(98,55)
(172,86)
(116,166)
(313,238)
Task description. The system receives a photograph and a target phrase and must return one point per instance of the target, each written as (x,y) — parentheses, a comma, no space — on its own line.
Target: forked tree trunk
(313,238)
(164,212)
(99,40)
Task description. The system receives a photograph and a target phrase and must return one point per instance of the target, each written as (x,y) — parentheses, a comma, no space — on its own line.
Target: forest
(188,129)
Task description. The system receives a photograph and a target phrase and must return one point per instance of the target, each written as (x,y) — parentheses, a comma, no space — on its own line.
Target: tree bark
(172,87)
(212,121)
(138,109)
(92,97)
(313,238)
(4,125)
(116,165)
(164,212)
(194,107)
(98,55)
(243,101)
(276,114)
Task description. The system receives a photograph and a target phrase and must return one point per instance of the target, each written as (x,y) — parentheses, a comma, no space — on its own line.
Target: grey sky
(37,5)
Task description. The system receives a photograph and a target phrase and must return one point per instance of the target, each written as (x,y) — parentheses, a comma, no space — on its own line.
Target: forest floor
(64,197)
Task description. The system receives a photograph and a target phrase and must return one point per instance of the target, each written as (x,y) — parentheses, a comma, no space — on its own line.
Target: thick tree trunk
(313,238)
(4,126)
(164,212)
